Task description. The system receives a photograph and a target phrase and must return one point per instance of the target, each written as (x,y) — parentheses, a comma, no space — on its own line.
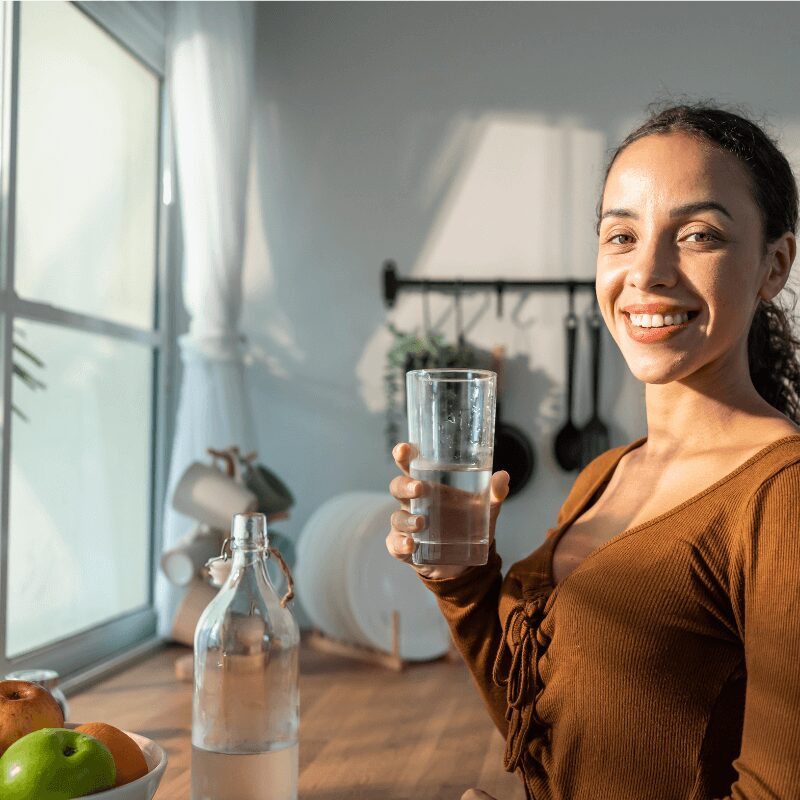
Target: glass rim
(442,373)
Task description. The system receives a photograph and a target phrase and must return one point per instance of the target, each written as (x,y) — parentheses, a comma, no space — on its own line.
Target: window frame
(84,656)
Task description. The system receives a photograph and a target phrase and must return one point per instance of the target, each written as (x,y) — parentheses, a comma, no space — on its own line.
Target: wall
(462,140)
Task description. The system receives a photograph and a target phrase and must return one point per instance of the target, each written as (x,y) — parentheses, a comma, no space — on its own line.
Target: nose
(653,263)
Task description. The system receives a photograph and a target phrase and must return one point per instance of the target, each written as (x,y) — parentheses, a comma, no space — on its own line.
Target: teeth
(657,320)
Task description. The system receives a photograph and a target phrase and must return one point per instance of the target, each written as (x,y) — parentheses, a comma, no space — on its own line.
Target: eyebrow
(679,211)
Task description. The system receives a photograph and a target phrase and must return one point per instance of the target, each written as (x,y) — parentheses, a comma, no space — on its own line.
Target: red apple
(25,707)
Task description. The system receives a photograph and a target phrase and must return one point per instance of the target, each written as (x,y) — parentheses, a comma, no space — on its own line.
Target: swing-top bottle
(245,715)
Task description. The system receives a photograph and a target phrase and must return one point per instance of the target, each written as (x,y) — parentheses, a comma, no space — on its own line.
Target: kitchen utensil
(567,446)
(513,451)
(145,787)
(594,437)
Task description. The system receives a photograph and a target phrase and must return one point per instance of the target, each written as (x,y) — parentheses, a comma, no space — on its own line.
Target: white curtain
(211,78)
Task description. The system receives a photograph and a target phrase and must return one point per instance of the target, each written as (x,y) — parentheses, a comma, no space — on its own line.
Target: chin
(657,369)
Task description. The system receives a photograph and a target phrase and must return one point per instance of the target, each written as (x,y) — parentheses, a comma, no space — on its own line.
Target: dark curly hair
(772,346)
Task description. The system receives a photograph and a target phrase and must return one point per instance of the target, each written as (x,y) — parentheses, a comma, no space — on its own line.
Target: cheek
(609,281)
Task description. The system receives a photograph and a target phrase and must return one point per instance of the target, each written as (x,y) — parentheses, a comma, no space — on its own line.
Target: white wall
(462,140)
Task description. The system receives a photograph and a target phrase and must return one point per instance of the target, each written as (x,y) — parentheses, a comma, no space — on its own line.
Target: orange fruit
(128,757)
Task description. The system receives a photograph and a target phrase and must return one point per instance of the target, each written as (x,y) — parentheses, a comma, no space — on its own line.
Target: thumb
(499,486)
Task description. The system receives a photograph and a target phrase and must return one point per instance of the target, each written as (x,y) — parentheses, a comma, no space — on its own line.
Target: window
(85,346)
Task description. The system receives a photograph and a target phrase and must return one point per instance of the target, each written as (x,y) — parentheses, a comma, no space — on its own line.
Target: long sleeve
(765,592)
(469,603)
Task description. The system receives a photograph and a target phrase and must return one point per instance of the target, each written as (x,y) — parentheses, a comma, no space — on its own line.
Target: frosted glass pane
(79,538)
(86,169)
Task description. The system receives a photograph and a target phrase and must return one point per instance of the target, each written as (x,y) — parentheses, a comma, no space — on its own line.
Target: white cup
(182,563)
(211,497)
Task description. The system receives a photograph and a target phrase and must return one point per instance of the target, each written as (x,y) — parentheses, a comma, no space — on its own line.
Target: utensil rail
(393,285)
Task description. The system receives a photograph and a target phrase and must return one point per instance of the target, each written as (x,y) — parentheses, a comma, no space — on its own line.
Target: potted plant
(411,350)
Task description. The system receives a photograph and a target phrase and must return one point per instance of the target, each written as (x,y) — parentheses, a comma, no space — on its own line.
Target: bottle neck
(246,556)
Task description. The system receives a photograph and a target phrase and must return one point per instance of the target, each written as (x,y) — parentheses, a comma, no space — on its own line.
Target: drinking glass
(451,428)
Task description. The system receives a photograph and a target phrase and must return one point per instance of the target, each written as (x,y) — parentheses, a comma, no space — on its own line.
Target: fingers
(499,486)
(405,523)
(399,545)
(400,541)
(403,453)
(405,488)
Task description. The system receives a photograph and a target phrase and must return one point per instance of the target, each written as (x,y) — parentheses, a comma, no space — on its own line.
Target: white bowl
(143,788)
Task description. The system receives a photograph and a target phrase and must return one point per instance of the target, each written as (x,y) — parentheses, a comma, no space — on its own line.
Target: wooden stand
(327,644)
(393,660)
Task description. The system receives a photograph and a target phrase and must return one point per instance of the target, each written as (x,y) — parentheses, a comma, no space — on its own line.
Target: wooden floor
(366,733)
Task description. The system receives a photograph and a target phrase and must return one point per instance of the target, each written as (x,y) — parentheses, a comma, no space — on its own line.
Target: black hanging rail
(392,285)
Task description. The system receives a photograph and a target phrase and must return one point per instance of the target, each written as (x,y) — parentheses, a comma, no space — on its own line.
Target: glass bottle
(245,715)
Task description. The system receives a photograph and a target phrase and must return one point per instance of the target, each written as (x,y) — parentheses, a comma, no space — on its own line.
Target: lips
(658,308)
(648,335)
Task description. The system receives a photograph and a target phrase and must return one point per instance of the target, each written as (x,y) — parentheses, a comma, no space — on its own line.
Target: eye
(707,236)
(616,236)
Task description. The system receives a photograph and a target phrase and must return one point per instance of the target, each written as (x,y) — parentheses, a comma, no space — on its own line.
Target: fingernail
(415,486)
(414,520)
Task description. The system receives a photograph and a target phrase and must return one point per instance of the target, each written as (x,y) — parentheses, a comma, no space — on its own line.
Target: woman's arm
(469,603)
(765,592)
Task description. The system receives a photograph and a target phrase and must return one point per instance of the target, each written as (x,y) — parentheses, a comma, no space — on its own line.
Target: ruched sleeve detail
(516,669)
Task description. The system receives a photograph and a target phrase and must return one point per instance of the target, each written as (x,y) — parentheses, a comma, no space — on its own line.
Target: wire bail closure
(226,553)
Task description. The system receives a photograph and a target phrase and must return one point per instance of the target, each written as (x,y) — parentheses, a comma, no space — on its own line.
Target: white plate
(318,553)
(378,584)
(143,788)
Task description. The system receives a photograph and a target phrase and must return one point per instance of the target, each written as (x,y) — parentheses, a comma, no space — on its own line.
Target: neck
(701,412)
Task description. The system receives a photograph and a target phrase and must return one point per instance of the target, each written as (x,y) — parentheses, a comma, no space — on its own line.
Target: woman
(650,648)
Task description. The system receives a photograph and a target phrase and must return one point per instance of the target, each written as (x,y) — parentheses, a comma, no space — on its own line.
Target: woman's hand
(476,794)
(400,542)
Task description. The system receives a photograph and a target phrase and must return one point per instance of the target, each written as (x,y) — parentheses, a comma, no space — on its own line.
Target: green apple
(55,764)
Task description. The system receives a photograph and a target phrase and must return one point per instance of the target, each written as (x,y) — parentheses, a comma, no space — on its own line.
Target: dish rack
(371,655)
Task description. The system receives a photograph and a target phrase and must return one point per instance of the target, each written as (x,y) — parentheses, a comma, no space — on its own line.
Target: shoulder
(775,477)
(592,477)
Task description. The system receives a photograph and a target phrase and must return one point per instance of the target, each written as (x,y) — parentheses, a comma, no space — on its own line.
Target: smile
(646,328)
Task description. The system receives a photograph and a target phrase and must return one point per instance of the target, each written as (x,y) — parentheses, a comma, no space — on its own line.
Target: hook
(595,317)
(572,320)
(459,320)
(426,310)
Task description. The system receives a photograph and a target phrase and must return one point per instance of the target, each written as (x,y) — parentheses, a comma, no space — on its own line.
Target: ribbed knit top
(667,664)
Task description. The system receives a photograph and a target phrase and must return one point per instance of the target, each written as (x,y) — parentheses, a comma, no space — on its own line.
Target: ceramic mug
(184,562)
(211,497)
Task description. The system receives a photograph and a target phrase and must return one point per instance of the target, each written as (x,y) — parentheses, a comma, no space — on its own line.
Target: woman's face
(680,233)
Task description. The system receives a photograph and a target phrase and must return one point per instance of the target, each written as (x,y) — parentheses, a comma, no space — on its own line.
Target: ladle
(567,445)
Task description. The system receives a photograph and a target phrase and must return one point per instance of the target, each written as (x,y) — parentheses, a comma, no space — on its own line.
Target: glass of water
(451,428)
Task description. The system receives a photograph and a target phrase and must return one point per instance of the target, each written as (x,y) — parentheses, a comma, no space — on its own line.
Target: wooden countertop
(366,733)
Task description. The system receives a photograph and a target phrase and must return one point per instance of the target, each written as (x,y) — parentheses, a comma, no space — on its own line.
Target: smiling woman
(649,647)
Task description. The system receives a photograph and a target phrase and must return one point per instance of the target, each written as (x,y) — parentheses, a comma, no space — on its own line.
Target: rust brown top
(667,664)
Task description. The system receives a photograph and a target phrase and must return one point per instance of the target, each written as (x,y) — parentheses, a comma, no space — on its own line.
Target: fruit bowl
(145,787)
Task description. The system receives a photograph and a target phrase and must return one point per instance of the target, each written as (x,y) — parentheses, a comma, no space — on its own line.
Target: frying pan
(513,451)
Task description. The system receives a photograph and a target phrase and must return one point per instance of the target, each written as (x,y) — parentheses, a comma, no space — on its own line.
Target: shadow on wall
(497,195)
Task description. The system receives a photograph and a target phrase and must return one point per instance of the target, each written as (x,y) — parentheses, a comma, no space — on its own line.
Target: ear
(779,259)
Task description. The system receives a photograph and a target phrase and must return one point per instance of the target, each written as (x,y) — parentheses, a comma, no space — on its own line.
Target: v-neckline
(605,477)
